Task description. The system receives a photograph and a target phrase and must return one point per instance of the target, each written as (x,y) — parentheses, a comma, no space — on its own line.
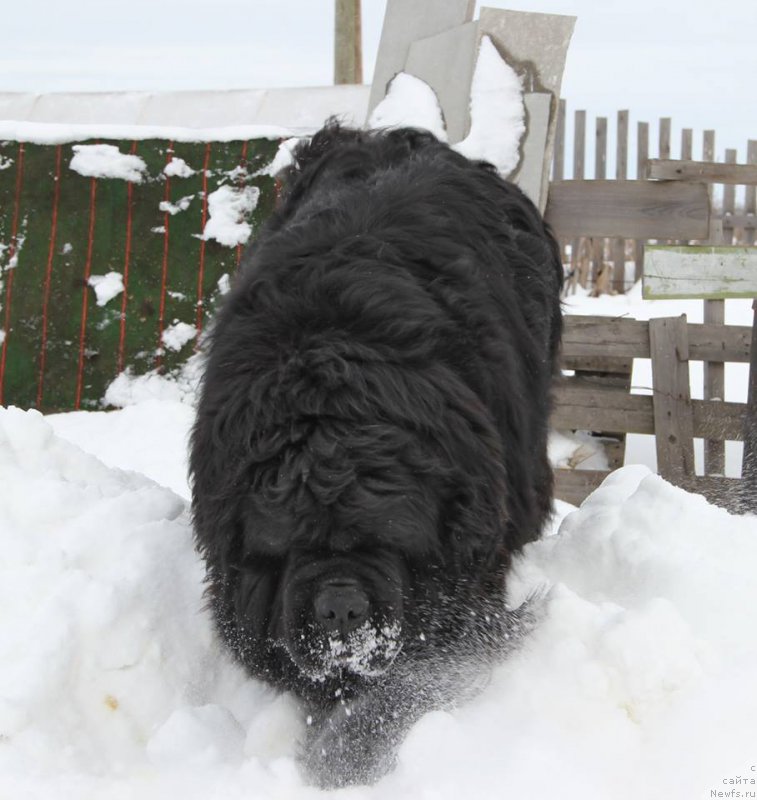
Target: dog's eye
(267,534)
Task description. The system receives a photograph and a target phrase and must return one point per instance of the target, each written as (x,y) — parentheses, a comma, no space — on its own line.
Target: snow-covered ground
(639,682)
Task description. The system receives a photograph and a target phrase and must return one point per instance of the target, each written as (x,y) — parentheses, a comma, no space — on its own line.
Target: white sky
(693,60)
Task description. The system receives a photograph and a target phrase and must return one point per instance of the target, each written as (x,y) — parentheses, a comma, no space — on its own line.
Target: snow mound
(107,161)
(112,683)
(180,386)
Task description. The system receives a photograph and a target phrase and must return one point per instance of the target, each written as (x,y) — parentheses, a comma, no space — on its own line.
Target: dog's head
(348,523)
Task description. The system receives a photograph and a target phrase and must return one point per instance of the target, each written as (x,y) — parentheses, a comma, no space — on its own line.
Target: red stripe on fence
(127,258)
(9,273)
(201,271)
(85,292)
(243,164)
(48,277)
(164,269)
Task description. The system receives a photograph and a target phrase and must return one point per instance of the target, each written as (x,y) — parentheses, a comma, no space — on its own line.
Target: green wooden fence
(59,349)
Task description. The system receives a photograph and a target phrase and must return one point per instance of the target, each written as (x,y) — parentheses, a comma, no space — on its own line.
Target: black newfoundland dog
(371,442)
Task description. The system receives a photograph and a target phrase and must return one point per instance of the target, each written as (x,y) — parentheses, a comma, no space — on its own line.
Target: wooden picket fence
(669,201)
(597,397)
(599,261)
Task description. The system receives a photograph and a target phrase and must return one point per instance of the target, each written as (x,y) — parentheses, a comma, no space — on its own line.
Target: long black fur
(374,409)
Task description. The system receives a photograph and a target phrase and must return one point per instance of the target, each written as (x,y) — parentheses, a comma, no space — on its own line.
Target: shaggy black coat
(371,441)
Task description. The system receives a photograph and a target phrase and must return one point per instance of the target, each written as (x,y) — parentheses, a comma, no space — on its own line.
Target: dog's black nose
(341,606)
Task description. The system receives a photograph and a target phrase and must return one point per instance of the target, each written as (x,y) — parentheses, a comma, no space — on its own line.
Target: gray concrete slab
(529,173)
(445,62)
(536,45)
(406,21)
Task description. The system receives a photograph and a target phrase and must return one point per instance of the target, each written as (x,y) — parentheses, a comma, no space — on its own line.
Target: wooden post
(673,419)
(665,125)
(642,157)
(750,198)
(687,144)
(600,173)
(749,462)
(348,48)
(621,174)
(579,155)
(714,313)
(729,201)
(708,154)
(558,160)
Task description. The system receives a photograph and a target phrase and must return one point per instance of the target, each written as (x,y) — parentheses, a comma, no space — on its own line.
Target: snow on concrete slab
(409,102)
(497,112)
(229,208)
(107,161)
(106,286)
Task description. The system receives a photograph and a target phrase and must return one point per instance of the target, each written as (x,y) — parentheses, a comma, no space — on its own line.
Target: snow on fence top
(262,112)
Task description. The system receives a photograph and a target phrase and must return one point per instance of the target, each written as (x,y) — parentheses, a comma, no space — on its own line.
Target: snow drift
(637,683)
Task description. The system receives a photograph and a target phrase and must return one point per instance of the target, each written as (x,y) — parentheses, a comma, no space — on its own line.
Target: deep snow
(638,682)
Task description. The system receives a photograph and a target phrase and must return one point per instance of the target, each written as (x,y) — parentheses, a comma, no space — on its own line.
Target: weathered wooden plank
(687,144)
(665,127)
(700,272)
(642,157)
(575,485)
(671,400)
(579,144)
(600,149)
(579,154)
(558,163)
(596,363)
(621,174)
(749,462)
(719,343)
(581,406)
(750,194)
(607,337)
(595,408)
(686,170)
(729,200)
(629,209)
(746,221)
(714,389)
(348,42)
(600,173)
